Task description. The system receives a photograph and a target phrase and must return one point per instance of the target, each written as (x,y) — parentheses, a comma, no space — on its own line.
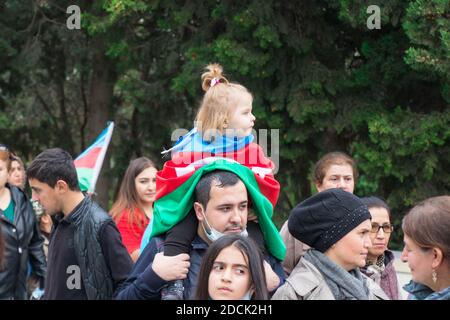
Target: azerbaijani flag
(89,163)
(175,185)
(183,165)
(192,152)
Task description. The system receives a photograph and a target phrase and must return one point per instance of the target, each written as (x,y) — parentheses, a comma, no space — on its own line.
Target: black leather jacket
(23,243)
(95,273)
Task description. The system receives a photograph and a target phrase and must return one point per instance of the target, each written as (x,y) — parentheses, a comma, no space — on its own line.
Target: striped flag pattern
(89,163)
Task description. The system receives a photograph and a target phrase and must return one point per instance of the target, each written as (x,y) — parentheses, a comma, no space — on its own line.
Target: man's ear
(61,186)
(199,212)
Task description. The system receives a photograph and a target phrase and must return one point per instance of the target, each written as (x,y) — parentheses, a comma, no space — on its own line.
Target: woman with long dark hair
(133,208)
(232,269)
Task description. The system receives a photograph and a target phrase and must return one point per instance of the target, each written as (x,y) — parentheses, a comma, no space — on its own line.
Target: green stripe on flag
(173,207)
(84,178)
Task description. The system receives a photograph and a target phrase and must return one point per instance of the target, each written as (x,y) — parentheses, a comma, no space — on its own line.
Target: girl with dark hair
(380,261)
(232,269)
(427,249)
(133,208)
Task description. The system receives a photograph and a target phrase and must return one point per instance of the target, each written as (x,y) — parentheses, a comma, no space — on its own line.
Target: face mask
(213,234)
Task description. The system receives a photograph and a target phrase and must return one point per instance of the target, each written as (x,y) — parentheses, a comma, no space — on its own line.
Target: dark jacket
(2,248)
(89,218)
(143,283)
(23,243)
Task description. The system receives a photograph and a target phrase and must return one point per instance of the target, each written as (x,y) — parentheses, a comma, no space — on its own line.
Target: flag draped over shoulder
(191,152)
(89,163)
(176,182)
(183,164)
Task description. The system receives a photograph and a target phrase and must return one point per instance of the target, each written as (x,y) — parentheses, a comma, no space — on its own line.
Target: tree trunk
(103,78)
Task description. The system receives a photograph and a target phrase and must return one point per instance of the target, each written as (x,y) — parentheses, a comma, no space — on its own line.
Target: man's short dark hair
(220,177)
(52,165)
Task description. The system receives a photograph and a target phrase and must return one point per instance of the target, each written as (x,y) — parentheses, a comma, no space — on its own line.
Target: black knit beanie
(323,219)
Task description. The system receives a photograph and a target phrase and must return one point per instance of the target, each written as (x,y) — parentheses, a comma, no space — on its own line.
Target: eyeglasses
(387,228)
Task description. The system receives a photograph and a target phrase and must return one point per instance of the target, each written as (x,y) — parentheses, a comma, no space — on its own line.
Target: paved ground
(403,272)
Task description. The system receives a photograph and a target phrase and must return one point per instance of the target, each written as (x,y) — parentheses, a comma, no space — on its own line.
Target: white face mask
(213,234)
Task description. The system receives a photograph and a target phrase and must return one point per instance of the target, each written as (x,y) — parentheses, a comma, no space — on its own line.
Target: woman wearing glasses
(380,261)
(22,238)
(427,249)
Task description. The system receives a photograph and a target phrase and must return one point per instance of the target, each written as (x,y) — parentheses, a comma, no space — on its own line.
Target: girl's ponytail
(213,76)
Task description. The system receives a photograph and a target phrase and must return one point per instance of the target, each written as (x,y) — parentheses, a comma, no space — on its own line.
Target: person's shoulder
(199,244)
(255,150)
(302,281)
(285,292)
(388,257)
(17,194)
(123,217)
(97,211)
(254,147)
(307,272)
(21,200)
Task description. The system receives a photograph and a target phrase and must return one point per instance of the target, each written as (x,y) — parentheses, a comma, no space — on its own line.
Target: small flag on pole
(89,163)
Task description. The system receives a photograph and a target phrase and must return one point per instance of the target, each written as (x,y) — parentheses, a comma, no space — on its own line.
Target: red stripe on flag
(252,155)
(88,161)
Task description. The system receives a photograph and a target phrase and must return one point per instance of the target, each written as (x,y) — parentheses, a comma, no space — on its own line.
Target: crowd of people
(202,228)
